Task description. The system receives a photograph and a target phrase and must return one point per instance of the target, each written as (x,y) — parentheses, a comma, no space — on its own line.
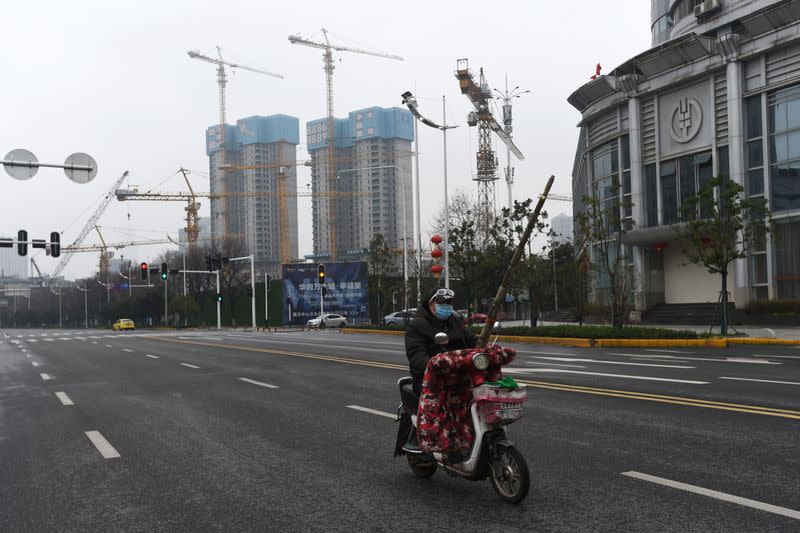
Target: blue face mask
(443,311)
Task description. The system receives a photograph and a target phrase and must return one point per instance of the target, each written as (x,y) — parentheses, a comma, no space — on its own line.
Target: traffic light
(143,270)
(164,271)
(219,297)
(22,242)
(55,244)
(321,270)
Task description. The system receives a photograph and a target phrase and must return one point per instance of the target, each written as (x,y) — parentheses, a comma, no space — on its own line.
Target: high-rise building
(561,227)
(13,265)
(368,190)
(718,94)
(259,151)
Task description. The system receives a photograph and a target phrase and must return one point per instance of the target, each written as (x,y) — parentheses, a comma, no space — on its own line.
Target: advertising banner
(346,292)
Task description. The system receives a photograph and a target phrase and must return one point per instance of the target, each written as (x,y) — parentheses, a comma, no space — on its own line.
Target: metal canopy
(591,92)
(772,18)
(673,54)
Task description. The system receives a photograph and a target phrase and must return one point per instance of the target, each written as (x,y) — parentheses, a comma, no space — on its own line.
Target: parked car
(399,318)
(478,318)
(328,320)
(123,323)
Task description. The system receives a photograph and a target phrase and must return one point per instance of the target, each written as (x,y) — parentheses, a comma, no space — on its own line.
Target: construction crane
(222,81)
(327,59)
(480,95)
(33,263)
(103,251)
(116,245)
(91,223)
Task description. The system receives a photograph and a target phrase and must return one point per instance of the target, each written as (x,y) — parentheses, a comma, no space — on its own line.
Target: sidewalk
(778,332)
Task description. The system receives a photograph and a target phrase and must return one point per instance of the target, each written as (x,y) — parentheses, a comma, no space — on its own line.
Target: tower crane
(328,135)
(103,251)
(222,81)
(480,95)
(67,255)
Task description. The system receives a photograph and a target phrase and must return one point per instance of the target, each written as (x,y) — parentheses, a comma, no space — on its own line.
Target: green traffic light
(163,275)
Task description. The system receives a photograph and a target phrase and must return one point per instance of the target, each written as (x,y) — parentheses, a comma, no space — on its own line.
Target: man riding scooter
(434,317)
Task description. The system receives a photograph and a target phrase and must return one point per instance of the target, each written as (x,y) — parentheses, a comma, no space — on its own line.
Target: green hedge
(381,327)
(772,307)
(600,332)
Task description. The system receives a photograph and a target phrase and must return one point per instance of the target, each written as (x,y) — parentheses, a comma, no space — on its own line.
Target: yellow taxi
(123,323)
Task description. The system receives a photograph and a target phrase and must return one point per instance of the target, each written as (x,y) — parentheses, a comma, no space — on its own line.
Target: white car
(328,320)
(400,318)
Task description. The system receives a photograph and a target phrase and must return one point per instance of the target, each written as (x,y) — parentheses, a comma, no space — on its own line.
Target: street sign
(80,159)
(21,172)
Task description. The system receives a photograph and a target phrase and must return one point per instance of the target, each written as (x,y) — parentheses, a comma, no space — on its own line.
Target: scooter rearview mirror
(497,327)
(441,338)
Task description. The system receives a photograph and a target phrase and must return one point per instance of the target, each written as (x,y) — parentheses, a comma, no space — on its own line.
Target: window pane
(705,172)
(753,110)
(651,195)
(785,186)
(755,182)
(779,148)
(626,182)
(793,114)
(669,193)
(688,192)
(759,264)
(723,169)
(778,117)
(755,154)
(787,260)
(794,144)
(626,153)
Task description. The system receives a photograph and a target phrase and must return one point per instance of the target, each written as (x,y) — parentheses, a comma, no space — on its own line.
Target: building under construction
(371,190)
(257,183)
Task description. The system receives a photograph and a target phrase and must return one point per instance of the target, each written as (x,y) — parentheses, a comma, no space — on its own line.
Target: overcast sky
(115,81)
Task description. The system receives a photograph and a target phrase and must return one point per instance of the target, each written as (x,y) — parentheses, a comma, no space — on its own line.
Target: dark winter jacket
(419,338)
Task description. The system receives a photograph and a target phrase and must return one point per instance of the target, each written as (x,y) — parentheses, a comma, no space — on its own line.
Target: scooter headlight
(480,361)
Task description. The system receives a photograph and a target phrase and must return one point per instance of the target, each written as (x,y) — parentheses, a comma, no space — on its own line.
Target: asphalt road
(231,431)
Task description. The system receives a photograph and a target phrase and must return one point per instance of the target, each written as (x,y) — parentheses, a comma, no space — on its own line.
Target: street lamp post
(85,291)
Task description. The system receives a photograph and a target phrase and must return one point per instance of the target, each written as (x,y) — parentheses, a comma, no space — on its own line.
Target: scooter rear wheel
(509,474)
(422,467)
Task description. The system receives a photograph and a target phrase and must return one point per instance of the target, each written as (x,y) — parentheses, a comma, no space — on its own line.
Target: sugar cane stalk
(515,259)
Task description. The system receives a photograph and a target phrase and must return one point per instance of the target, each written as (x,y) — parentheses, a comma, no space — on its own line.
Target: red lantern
(436,239)
(436,253)
(437,269)
(659,246)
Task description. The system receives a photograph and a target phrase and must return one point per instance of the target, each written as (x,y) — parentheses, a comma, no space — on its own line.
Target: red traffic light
(143,266)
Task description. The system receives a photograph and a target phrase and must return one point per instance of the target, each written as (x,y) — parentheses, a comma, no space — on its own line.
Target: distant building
(258,150)
(13,265)
(718,94)
(203,236)
(561,226)
(368,190)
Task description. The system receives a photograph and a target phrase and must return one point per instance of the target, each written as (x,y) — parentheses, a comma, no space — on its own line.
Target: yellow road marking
(633,395)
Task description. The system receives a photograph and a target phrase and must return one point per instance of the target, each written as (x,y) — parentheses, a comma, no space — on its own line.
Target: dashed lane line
(64,398)
(32,340)
(103,446)
(666,351)
(764,381)
(151,356)
(622,376)
(189,366)
(372,411)
(761,506)
(600,361)
(46,377)
(259,383)
(28,355)
(108,346)
(127,350)
(633,395)
(34,363)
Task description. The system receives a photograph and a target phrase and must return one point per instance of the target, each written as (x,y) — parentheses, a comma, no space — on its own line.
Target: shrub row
(600,332)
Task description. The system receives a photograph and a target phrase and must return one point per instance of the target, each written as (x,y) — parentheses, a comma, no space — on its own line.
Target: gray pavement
(243,431)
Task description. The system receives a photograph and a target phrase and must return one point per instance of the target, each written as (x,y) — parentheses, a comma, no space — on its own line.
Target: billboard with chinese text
(346,292)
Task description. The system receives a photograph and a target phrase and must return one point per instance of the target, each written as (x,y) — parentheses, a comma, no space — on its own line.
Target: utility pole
(506,97)
(166,314)
(85,304)
(266,300)
(219,308)
(446,206)
(416,202)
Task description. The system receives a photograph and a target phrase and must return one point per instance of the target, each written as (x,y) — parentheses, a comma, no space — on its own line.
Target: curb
(617,343)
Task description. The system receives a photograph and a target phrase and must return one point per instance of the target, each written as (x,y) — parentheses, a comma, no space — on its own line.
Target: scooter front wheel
(509,474)
(421,466)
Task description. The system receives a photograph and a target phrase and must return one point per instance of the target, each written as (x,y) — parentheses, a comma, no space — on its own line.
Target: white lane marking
(108,346)
(715,360)
(545,353)
(151,356)
(624,376)
(127,350)
(44,334)
(32,340)
(770,332)
(190,366)
(28,355)
(34,363)
(553,364)
(103,446)
(50,340)
(81,338)
(372,411)
(64,339)
(783,356)
(212,338)
(643,358)
(764,381)
(609,362)
(94,337)
(259,383)
(716,494)
(46,377)
(64,398)
(18,336)
(666,351)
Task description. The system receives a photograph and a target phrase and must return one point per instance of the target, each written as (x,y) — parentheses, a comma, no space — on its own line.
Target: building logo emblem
(686,120)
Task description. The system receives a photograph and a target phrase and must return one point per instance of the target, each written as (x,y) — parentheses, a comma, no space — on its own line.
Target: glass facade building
(717,95)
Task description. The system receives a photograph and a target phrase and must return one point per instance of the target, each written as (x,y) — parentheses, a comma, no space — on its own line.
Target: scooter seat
(407,396)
